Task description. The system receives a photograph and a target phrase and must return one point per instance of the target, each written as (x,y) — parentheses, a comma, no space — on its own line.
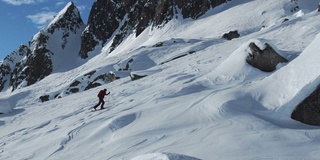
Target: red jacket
(101,94)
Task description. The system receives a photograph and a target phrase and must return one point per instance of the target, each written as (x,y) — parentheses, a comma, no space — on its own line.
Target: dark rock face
(103,21)
(308,111)
(135,16)
(164,12)
(266,60)
(38,66)
(194,9)
(44,98)
(8,69)
(231,35)
(35,66)
(70,22)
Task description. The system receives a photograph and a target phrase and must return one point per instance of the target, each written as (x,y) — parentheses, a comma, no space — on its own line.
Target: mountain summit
(49,48)
(68,19)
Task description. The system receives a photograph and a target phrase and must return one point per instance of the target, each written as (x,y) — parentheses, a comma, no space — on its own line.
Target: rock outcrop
(266,60)
(308,111)
(10,73)
(231,35)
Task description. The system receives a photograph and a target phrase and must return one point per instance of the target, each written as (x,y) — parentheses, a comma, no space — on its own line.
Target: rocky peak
(7,67)
(104,19)
(193,9)
(68,19)
(36,60)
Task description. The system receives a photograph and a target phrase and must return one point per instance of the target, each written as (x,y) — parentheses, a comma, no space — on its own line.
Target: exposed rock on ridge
(111,21)
(9,71)
(68,20)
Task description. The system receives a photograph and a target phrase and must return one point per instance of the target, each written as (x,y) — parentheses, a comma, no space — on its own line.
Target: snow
(206,105)
(5,106)
(61,14)
(298,76)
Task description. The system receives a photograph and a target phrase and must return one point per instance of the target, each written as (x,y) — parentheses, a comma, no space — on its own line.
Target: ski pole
(108,99)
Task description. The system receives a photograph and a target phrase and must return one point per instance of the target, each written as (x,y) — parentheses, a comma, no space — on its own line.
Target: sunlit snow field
(200,100)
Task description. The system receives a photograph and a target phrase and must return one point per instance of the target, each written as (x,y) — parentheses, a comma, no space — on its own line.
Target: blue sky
(21,19)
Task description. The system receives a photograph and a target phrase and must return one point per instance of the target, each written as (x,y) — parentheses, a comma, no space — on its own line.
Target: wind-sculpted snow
(292,80)
(206,105)
(141,62)
(7,103)
(122,122)
(164,156)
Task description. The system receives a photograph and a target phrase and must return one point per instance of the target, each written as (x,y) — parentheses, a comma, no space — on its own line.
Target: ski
(94,110)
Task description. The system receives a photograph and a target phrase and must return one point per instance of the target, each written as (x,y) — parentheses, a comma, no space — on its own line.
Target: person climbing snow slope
(101,95)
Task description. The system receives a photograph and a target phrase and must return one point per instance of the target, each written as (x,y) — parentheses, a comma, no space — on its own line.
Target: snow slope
(200,100)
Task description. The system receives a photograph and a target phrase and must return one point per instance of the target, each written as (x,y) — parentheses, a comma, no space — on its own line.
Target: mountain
(53,46)
(239,81)
(111,21)
(59,43)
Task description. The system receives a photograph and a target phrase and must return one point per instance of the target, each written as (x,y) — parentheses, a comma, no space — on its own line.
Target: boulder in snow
(266,59)
(111,76)
(308,111)
(44,98)
(231,35)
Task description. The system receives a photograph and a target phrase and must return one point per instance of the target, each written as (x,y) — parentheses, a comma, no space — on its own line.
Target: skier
(101,95)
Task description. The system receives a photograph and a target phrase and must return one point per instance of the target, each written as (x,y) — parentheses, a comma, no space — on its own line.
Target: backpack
(101,93)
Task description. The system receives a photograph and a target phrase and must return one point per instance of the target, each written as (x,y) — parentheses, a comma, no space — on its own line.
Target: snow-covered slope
(200,100)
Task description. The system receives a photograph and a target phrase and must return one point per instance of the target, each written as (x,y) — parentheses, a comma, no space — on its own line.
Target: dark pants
(101,101)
